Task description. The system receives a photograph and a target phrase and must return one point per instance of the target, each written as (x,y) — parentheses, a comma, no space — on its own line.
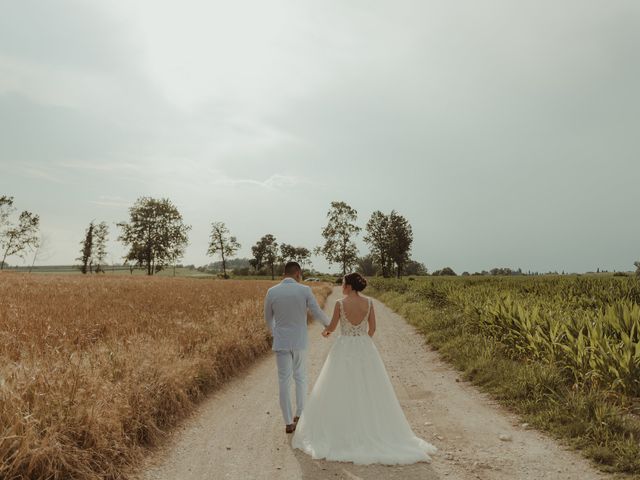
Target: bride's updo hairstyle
(356,281)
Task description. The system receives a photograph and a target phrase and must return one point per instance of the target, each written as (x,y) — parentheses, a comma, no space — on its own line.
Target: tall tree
(379,242)
(390,238)
(401,236)
(223,243)
(289,253)
(270,247)
(17,238)
(155,233)
(86,253)
(101,233)
(338,234)
(6,210)
(258,251)
(303,256)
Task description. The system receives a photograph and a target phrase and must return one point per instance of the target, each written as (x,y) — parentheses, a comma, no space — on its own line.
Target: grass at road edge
(588,421)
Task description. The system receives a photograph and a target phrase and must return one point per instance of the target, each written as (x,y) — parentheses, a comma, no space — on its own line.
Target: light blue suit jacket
(285,311)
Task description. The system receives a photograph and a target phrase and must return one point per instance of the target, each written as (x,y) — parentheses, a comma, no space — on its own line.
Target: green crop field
(564,351)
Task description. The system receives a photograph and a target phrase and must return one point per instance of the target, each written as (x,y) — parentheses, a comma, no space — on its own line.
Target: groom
(285,311)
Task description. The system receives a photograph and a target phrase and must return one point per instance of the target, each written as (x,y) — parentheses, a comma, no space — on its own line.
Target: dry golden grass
(95,369)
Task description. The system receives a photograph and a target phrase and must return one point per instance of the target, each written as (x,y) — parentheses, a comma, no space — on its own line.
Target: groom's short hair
(291,268)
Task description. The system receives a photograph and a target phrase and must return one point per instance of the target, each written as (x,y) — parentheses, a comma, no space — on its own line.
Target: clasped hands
(326,333)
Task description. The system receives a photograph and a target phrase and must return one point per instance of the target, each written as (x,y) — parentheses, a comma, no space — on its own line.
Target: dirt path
(238,433)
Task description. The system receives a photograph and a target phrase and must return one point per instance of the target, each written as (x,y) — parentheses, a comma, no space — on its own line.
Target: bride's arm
(372,322)
(334,321)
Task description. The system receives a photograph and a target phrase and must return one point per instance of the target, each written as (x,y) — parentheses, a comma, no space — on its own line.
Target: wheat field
(94,370)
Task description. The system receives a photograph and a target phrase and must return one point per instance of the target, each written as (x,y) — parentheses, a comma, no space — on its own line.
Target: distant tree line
(156,237)
(448,271)
(270,256)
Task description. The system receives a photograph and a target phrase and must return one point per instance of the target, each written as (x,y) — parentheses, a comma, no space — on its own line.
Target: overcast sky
(507,132)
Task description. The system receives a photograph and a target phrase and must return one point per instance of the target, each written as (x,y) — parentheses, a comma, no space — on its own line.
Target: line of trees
(389,237)
(269,255)
(156,237)
(94,248)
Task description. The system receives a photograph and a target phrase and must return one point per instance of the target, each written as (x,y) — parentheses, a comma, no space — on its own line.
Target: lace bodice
(349,329)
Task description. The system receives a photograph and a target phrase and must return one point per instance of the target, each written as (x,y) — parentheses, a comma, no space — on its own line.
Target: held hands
(326,333)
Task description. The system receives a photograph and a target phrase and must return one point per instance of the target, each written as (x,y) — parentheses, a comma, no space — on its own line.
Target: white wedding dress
(352,414)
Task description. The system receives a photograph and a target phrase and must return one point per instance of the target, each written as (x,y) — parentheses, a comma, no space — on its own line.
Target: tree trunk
(273,277)
(224,266)
(224,262)
(35,255)
(6,252)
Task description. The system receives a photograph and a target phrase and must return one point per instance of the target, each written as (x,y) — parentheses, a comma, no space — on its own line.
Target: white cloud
(105,167)
(112,201)
(41,174)
(275,181)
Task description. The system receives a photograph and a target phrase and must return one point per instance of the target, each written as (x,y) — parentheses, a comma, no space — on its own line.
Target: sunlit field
(95,369)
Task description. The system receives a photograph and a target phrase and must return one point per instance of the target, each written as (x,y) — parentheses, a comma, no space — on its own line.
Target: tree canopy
(155,234)
(222,243)
(19,236)
(389,238)
(338,234)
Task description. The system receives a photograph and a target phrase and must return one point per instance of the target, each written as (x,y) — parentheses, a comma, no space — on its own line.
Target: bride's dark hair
(356,281)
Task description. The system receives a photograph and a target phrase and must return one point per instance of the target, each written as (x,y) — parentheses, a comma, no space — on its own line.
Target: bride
(352,414)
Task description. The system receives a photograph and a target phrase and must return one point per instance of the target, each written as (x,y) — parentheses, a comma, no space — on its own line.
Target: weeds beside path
(591,416)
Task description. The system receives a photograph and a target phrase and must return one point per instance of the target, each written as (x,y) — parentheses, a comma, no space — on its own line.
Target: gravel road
(238,432)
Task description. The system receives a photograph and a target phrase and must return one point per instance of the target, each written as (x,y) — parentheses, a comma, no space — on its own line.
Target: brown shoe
(295,420)
(290,428)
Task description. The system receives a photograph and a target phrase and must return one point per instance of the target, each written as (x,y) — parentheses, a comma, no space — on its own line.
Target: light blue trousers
(291,362)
